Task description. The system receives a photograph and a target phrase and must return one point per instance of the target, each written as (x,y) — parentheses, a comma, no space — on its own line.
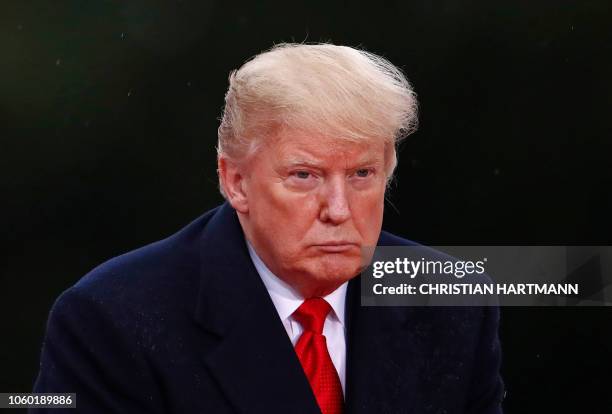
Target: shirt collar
(286,299)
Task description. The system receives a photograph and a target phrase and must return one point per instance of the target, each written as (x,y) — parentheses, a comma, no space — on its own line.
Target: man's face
(311,203)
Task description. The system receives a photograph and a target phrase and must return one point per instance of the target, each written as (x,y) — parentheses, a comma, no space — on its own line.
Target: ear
(231,176)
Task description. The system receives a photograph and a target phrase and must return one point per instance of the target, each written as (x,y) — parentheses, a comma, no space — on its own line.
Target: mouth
(336,247)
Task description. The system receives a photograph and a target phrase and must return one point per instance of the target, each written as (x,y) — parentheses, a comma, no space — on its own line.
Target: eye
(304,175)
(302,180)
(362,172)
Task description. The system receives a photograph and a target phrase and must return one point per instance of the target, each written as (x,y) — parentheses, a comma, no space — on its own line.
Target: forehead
(296,147)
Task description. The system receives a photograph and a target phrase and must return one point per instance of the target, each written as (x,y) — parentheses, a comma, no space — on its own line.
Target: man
(254,307)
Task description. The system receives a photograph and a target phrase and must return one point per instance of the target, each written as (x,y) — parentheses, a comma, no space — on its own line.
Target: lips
(336,247)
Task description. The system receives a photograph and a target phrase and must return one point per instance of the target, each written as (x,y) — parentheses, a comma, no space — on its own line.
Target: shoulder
(466,318)
(462,336)
(117,325)
(389,239)
(160,278)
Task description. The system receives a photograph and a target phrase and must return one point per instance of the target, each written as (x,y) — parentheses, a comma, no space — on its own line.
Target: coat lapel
(254,361)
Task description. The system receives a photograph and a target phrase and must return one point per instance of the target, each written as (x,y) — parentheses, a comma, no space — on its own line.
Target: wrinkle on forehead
(317,149)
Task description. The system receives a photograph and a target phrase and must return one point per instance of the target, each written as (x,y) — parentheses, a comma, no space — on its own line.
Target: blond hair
(320,88)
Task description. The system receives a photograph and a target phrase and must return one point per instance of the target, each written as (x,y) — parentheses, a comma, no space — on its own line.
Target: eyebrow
(302,161)
(297,161)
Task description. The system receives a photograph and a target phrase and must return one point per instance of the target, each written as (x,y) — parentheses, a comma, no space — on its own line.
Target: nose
(335,207)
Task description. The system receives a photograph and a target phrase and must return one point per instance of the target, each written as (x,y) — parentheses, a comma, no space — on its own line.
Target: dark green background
(108,117)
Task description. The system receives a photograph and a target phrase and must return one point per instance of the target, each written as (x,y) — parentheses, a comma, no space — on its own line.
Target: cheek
(291,215)
(368,215)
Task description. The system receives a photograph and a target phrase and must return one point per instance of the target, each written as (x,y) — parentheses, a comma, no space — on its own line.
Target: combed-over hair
(320,88)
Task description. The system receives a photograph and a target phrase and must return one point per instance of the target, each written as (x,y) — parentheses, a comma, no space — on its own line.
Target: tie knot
(312,313)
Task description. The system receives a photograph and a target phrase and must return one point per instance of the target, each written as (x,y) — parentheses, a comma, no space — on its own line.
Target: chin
(321,275)
(338,268)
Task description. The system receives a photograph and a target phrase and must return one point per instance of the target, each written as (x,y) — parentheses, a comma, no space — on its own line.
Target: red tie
(311,349)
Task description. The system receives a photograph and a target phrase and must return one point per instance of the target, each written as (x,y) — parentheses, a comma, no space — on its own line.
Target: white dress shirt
(287,300)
